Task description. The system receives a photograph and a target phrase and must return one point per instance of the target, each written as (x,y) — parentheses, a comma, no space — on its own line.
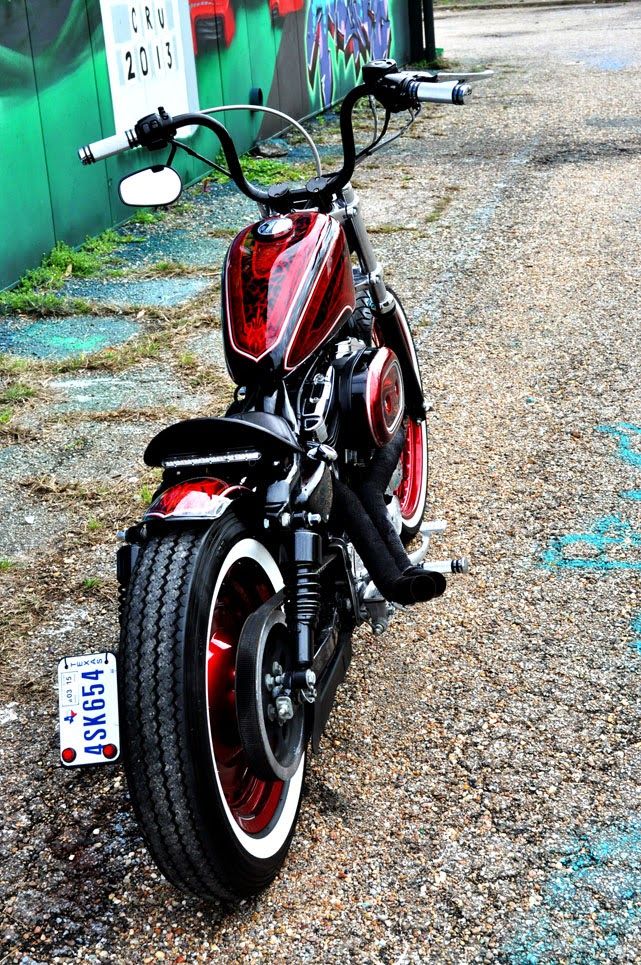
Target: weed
(442,204)
(440,62)
(222,233)
(6,565)
(147,217)
(12,365)
(5,416)
(388,229)
(265,170)
(18,392)
(118,358)
(183,207)
(37,290)
(145,493)
(167,268)
(187,360)
(93,524)
(91,583)
(74,445)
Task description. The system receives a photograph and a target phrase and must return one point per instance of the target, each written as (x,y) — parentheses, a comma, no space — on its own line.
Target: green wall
(55,96)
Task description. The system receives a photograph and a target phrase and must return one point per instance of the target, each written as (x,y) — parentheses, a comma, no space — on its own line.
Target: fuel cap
(274,228)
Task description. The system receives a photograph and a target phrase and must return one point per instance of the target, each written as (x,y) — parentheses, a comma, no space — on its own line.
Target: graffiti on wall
(56,36)
(356,30)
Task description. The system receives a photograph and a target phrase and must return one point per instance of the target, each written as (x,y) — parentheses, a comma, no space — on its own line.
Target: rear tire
(212,827)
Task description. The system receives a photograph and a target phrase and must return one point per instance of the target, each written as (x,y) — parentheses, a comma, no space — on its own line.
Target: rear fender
(204,499)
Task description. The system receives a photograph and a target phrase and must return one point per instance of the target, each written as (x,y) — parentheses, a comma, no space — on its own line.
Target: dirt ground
(477,795)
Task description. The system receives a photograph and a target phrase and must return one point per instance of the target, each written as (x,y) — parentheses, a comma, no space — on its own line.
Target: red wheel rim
(410,489)
(253,802)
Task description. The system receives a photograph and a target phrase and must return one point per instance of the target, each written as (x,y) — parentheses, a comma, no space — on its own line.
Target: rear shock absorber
(303,595)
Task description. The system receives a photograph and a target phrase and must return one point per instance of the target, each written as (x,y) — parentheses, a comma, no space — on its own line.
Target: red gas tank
(287,287)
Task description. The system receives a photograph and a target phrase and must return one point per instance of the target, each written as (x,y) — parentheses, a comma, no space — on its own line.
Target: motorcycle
(276,530)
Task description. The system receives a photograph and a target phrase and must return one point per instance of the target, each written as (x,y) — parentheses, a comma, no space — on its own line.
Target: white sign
(150,57)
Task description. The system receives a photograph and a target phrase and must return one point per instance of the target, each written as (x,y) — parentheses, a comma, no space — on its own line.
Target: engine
(358,402)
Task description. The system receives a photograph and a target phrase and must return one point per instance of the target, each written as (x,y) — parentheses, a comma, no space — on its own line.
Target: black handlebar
(396,91)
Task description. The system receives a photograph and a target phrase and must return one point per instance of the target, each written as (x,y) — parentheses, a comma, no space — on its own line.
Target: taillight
(196,499)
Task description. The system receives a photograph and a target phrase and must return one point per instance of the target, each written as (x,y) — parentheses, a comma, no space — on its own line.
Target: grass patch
(264,170)
(147,217)
(37,291)
(5,416)
(441,205)
(118,358)
(183,207)
(6,565)
(106,504)
(17,393)
(187,360)
(12,365)
(223,232)
(388,229)
(145,494)
(167,269)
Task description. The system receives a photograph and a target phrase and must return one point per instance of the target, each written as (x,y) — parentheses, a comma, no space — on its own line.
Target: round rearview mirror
(151,186)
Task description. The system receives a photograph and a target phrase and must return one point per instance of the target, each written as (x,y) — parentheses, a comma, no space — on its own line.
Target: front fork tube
(371,268)
(303,595)
(391,319)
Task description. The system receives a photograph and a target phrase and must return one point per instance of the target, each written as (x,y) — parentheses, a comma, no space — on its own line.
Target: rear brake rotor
(270,719)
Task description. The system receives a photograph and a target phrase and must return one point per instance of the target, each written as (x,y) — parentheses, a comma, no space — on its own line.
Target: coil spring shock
(303,595)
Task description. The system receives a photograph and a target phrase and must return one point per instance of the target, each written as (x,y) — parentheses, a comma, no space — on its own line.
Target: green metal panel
(70,118)
(27,223)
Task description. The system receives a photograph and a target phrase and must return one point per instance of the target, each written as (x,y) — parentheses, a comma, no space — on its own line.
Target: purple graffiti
(360,29)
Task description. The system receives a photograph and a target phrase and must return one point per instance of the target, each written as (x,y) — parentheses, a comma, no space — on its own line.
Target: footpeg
(448,567)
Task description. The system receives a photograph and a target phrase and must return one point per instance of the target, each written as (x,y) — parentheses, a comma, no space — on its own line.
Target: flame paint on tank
(284,294)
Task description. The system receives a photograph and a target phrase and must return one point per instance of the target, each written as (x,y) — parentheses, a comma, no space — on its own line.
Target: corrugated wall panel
(27,221)
(70,116)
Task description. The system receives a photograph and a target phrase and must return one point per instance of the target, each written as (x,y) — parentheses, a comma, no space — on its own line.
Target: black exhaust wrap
(371,492)
(403,583)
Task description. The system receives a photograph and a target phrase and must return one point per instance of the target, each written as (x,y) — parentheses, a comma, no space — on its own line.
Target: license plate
(88,709)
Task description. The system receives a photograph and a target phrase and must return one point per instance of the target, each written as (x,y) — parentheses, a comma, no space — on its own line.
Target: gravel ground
(477,795)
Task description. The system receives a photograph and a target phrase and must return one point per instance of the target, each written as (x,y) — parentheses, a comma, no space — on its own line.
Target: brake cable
(199,157)
(379,144)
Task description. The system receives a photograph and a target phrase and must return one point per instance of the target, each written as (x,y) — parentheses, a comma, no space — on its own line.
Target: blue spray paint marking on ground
(608,533)
(624,433)
(591,908)
(636,629)
(62,337)
(627,434)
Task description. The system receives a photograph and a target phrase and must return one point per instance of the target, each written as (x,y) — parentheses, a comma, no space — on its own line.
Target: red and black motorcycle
(279,527)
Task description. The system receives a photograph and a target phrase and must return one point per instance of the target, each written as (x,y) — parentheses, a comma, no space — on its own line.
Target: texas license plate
(88,707)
